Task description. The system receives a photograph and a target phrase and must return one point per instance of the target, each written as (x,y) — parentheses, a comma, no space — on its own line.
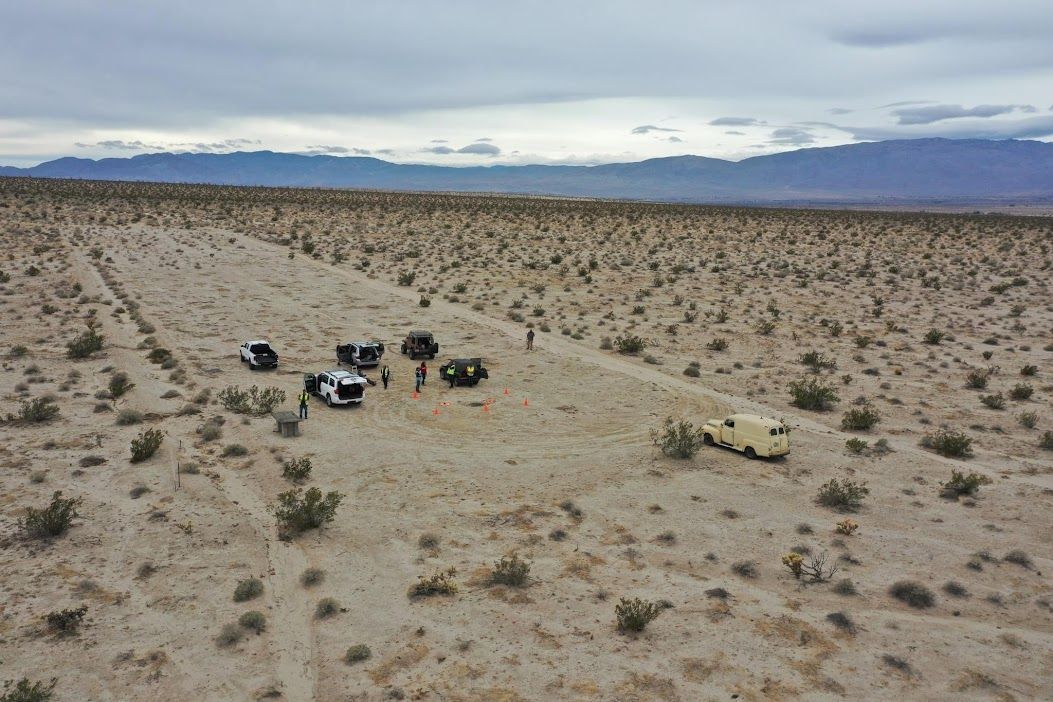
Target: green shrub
(1021,392)
(1029,370)
(406,278)
(127,417)
(441,583)
(120,384)
(679,439)
(860,418)
(299,511)
(844,495)
(1046,442)
(914,594)
(255,401)
(146,444)
(630,344)
(89,342)
(511,571)
(159,355)
(717,344)
(254,621)
(953,444)
(67,621)
(977,378)
(855,445)
(297,470)
(934,336)
(248,589)
(692,372)
(234,450)
(327,607)
(357,653)
(424,301)
(312,576)
(817,361)
(229,635)
(52,520)
(995,402)
(812,394)
(26,691)
(39,409)
(1028,420)
(634,615)
(961,484)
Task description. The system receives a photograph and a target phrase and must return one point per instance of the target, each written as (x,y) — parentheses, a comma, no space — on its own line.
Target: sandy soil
(559,468)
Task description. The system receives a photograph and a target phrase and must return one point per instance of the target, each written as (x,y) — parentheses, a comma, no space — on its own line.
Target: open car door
(310,383)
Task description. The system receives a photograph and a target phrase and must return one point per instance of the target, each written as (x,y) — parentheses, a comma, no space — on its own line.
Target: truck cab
(360,353)
(336,387)
(751,434)
(420,343)
(258,354)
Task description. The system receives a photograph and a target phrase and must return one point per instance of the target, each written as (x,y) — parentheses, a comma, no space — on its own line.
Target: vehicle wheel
(707,439)
(413,355)
(252,366)
(431,356)
(750,453)
(403,348)
(329,400)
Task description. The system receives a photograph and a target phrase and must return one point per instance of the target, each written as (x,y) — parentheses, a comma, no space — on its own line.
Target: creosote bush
(914,594)
(844,495)
(953,444)
(961,484)
(812,394)
(298,511)
(297,470)
(39,409)
(229,635)
(120,384)
(860,418)
(87,343)
(26,691)
(679,439)
(441,583)
(630,344)
(253,621)
(327,607)
(254,401)
(53,520)
(248,589)
(357,653)
(146,444)
(634,615)
(67,621)
(511,571)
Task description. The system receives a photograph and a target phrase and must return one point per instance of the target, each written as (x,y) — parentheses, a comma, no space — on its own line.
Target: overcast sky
(462,82)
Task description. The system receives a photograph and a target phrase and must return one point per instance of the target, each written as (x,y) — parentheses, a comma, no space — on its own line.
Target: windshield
(260,348)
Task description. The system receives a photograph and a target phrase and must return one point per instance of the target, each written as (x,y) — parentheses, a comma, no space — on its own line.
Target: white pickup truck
(337,387)
(360,353)
(258,354)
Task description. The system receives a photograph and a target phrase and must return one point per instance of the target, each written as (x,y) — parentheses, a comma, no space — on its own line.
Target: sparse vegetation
(679,439)
(946,442)
(297,470)
(52,520)
(844,495)
(511,571)
(441,583)
(248,589)
(812,394)
(357,654)
(634,614)
(961,484)
(914,594)
(146,444)
(37,410)
(298,511)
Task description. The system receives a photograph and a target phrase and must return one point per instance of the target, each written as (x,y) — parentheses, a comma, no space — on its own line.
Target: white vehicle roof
(346,375)
(362,343)
(257,341)
(765,422)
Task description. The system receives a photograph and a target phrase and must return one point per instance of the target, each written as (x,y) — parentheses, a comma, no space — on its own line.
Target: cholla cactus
(795,563)
(847,527)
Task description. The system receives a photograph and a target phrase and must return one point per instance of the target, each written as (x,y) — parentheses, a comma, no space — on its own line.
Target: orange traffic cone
(486,407)
(526,402)
(416,395)
(506,391)
(435,411)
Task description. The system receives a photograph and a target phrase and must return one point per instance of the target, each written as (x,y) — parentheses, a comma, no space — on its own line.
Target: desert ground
(936,329)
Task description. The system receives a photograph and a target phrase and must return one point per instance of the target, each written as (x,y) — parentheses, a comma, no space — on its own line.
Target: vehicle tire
(403,349)
(252,366)
(431,356)
(329,400)
(707,439)
(750,453)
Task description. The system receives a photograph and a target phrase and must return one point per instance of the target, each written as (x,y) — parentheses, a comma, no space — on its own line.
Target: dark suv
(420,343)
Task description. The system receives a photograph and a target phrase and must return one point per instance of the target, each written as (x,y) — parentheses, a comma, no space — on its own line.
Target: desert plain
(929,338)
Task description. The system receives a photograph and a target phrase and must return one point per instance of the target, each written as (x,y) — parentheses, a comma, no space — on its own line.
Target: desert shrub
(844,495)
(312,576)
(634,615)
(977,378)
(253,621)
(229,635)
(87,343)
(847,527)
(159,355)
(717,344)
(1046,442)
(914,594)
(1018,557)
(842,621)
(630,344)
(357,653)
(1021,392)
(428,541)
(299,511)
(817,361)
(326,608)
(441,583)
(234,450)
(812,394)
(253,401)
(845,587)
(955,589)
(765,327)
(26,691)
(1028,420)
(52,520)
(91,461)
(815,569)
(39,409)
(120,384)
(424,301)
(961,484)
(934,336)
(511,571)
(953,444)
(679,439)
(745,569)
(855,445)
(860,418)
(297,470)
(128,417)
(692,372)
(406,278)
(66,622)
(1029,370)
(248,589)
(996,401)
(146,444)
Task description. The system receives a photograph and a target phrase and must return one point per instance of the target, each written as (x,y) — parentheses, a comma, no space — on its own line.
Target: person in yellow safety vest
(469,371)
(304,398)
(451,373)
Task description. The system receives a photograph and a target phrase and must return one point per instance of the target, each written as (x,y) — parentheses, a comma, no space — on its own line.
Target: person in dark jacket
(423,373)
(530,340)
(417,377)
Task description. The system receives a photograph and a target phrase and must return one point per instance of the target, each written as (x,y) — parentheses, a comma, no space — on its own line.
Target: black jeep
(420,343)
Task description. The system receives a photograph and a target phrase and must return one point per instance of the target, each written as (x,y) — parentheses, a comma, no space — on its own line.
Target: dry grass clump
(441,583)
(913,593)
(633,615)
(248,589)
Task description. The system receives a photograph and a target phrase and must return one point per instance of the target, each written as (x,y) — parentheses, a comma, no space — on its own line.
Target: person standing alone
(530,340)
(417,377)
(423,373)
(304,399)
(385,376)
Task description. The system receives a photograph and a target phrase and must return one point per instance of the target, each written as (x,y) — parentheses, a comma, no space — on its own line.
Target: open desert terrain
(927,339)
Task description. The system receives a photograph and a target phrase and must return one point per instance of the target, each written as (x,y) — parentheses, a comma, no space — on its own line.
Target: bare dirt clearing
(560,471)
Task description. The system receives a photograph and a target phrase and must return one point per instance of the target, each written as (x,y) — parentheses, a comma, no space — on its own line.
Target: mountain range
(914,170)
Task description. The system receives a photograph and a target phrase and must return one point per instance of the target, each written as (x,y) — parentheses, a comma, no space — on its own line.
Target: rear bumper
(779,451)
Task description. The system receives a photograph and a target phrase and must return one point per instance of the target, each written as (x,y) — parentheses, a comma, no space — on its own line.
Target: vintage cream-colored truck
(749,433)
